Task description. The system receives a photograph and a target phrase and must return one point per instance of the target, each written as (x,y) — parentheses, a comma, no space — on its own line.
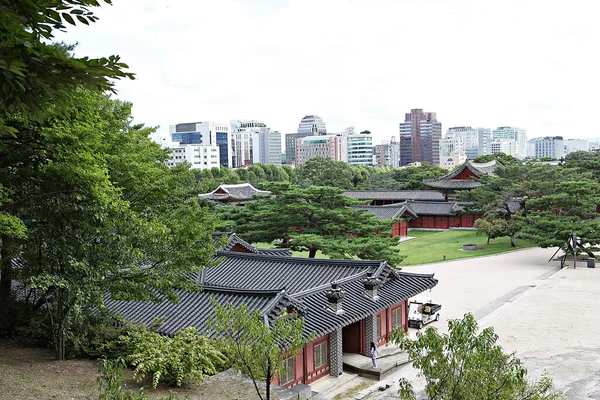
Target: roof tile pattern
(447,182)
(397,195)
(258,281)
(240,192)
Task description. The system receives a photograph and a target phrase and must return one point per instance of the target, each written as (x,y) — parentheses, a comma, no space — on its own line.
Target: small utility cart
(421,311)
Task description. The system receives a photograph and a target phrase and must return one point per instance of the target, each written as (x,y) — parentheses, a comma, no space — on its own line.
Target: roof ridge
(417,274)
(325,286)
(329,261)
(236,290)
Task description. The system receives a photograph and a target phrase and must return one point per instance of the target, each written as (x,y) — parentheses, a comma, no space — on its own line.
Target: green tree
(502,158)
(467,364)
(314,219)
(105,216)
(321,171)
(411,178)
(35,72)
(254,347)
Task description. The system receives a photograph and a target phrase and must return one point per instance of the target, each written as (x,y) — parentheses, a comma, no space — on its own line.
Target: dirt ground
(28,373)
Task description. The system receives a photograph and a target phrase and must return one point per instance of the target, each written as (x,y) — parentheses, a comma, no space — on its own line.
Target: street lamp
(574,236)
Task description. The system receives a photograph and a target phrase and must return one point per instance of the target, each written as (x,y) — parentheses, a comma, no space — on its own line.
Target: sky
(534,64)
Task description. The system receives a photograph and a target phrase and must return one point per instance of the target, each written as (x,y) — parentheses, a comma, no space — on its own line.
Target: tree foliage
(254,347)
(104,214)
(502,158)
(188,356)
(35,72)
(411,178)
(468,364)
(314,219)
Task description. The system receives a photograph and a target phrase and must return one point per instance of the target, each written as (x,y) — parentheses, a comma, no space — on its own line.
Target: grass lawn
(303,254)
(429,247)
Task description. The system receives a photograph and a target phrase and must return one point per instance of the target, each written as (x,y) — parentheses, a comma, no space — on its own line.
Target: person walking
(374,354)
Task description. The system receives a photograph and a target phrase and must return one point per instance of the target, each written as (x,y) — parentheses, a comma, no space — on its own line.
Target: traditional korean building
(233,194)
(463,178)
(347,303)
(382,197)
(237,244)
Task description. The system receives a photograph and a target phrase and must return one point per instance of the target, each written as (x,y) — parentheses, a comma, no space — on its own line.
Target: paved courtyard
(544,314)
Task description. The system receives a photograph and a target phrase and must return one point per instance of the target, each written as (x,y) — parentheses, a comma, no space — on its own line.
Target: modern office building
(572,145)
(290,146)
(386,154)
(473,141)
(312,125)
(205,133)
(512,133)
(199,156)
(548,146)
(506,146)
(360,148)
(329,146)
(420,135)
(245,137)
(269,146)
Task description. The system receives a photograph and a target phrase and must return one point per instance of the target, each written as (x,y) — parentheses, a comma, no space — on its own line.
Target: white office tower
(199,156)
(511,133)
(245,136)
(473,141)
(270,146)
(204,133)
(360,148)
(572,145)
(312,125)
(548,146)
(506,146)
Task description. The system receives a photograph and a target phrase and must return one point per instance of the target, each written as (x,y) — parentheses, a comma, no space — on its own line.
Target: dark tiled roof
(388,211)
(397,195)
(243,191)
(236,240)
(272,284)
(194,309)
(294,274)
(412,208)
(449,183)
(357,306)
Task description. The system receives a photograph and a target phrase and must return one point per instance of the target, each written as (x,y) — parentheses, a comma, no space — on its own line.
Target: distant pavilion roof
(412,209)
(239,192)
(463,177)
(396,195)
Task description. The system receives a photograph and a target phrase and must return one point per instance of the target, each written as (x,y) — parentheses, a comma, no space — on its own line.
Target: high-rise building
(386,154)
(270,146)
(473,141)
(245,137)
(506,146)
(312,125)
(549,146)
(205,133)
(329,146)
(360,148)
(420,135)
(572,145)
(516,134)
(199,156)
(290,146)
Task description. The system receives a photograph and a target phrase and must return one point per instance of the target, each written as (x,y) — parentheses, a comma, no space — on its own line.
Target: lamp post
(574,236)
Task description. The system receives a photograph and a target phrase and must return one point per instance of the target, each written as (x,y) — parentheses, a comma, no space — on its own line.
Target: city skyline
(525,64)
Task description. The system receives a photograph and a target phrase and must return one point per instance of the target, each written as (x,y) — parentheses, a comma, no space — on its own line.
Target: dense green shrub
(187,356)
(112,387)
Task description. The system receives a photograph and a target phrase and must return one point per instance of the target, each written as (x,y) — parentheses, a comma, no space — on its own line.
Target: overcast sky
(531,64)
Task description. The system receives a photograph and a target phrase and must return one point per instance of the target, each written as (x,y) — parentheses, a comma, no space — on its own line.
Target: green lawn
(429,247)
(295,253)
